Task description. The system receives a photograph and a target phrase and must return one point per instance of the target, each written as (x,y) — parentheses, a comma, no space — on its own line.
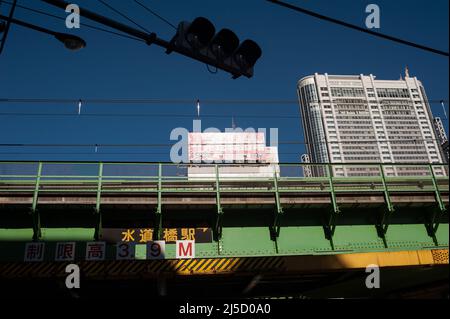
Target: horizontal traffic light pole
(149,38)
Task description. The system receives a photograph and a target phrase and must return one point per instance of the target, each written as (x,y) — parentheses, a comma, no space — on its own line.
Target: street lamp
(71,42)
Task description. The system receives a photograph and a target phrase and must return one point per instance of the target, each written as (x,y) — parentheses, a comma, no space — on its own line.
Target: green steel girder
(255,240)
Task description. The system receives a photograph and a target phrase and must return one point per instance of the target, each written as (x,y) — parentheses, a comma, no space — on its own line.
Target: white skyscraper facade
(360,119)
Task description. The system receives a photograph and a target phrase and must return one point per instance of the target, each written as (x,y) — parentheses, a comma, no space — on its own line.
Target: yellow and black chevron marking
(226,265)
(212,266)
(107,269)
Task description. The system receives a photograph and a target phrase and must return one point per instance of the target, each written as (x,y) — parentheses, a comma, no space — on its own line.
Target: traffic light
(198,39)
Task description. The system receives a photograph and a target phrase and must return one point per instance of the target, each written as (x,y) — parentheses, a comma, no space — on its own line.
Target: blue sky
(34,65)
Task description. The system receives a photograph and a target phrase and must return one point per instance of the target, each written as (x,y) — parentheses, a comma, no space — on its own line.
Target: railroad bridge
(288,235)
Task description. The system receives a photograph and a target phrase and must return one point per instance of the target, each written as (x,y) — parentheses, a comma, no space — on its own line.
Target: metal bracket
(34,212)
(97,210)
(383,225)
(330,226)
(275,228)
(158,214)
(439,212)
(151,38)
(219,215)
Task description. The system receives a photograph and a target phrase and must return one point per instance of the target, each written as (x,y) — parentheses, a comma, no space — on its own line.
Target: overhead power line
(358,28)
(162,101)
(148,115)
(117,153)
(156,14)
(123,16)
(144,101)
(349,142)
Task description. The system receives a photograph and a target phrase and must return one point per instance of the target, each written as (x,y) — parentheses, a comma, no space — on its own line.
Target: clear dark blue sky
(34,65)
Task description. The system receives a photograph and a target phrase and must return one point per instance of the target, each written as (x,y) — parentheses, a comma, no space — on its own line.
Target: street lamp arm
(150,38)
(71,42)
(28,25)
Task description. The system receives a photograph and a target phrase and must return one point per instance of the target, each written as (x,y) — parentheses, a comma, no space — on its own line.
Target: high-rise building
(360,119)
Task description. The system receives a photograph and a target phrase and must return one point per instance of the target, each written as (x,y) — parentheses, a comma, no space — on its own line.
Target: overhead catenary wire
(358,28)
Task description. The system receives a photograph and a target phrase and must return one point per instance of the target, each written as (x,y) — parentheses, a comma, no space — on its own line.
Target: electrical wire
(116,153)
(161,101)
(358,28)
(82,24)
(7,26)
(349,142)
(123,16)
(156,14)
(145,115)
